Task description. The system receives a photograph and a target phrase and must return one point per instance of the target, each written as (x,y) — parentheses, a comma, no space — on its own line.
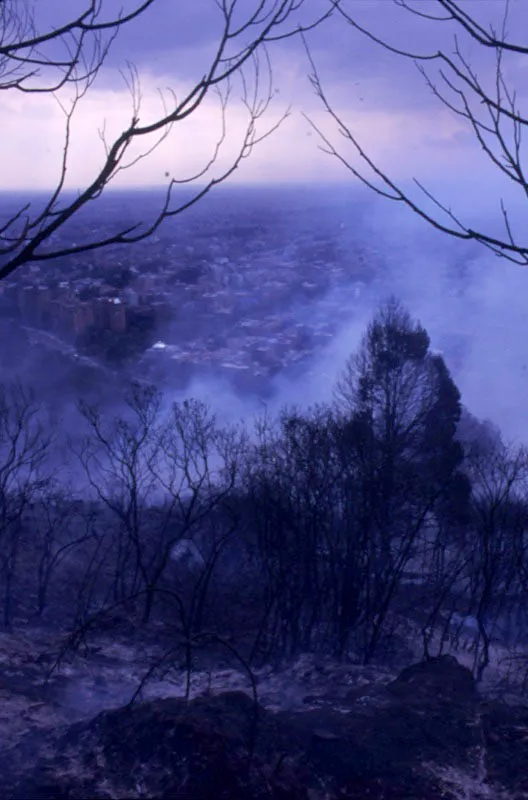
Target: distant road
(53,342)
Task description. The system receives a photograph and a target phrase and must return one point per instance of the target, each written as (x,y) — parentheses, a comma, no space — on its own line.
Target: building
(131,297)
(109,313)
(28,304)
(116,315)
(84,318)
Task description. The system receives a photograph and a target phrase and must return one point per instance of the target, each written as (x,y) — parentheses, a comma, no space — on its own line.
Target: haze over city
(409,133)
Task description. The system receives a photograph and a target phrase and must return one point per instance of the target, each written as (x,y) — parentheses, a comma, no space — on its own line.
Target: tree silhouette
(399,410)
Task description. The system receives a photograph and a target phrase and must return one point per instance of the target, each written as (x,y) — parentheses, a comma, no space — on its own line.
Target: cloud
(382,97)
(33,135)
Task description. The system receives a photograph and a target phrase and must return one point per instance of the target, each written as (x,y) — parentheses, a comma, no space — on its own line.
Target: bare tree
(159,481)
(400,408)
(498,479)
(59,528)
(491,110)
(66,60)
(344,499)
(290,479)
(25,475)
(34,61)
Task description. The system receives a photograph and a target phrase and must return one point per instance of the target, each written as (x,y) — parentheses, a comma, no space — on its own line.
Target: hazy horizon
(471,303)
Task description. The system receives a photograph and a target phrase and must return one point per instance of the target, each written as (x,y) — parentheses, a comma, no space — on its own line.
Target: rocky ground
(320,730)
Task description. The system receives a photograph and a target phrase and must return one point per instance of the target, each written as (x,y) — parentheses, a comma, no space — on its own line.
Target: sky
(382,98)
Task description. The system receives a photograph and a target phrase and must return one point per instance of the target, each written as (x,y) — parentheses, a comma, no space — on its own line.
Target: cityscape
(245,305)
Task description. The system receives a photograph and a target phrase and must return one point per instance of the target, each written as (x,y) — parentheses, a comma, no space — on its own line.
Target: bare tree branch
(240,55)
(493,116)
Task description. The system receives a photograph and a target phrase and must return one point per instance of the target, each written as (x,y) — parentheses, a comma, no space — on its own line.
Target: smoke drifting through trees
(326,530)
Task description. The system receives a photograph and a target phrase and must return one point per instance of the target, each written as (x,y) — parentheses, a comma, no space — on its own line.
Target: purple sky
(381,96)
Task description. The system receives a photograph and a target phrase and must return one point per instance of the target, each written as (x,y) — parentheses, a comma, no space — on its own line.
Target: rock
(385,746)
(325,736)
(442,678)
(425,735)
(157,749)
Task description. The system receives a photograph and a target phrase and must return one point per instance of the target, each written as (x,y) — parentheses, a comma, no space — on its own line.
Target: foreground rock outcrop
(160,749)
(424,736)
